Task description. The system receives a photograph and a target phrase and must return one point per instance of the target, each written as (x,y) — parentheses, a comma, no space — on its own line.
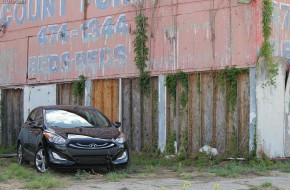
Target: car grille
(90,160)
(92,146)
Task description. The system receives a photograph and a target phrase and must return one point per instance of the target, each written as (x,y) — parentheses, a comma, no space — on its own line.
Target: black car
(73,137)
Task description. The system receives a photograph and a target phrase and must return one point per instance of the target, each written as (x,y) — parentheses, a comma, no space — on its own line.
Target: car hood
(102,133)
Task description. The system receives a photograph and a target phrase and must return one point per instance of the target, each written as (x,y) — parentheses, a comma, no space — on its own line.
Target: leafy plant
(170,148)
(267,49)
(171,83)
(79,86)
(229,76)
(141,50)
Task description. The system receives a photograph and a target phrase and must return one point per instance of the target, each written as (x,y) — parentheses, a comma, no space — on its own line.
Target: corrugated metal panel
(32,96)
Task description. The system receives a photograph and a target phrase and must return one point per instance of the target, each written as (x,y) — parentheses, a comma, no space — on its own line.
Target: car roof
(68,107)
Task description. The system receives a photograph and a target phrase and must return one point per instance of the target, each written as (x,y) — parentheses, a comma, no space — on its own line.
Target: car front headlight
(121,139)
(55,138)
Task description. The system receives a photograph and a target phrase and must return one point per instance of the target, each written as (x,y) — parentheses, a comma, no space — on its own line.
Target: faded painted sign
(281,29)
(188,36)
(13,56)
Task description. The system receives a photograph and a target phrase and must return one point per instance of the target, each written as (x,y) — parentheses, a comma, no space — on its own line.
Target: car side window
(38,117)
(32,115)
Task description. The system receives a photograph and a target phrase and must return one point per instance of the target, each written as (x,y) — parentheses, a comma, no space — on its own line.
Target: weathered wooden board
(12,114)
(65,95)
(182,111)
(207,105)
(221,114)
(136,115)
(243,105)
(146,110)
(154,114)
(194,112)
(127,109)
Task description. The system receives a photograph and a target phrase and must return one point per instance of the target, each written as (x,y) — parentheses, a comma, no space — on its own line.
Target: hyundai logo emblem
(93,145)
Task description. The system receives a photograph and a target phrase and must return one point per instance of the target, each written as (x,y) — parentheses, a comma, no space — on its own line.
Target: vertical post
(120,101)
(253,109)
(88,93)
(162,113)
(1,116)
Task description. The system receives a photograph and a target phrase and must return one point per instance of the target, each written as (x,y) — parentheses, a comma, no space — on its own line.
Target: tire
(20,157)
(40,160)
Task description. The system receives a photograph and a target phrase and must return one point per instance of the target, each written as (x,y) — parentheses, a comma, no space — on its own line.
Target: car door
(26,133)
(35,135)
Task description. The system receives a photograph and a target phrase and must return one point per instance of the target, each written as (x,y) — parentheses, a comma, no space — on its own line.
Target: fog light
(57,157)
(123,156)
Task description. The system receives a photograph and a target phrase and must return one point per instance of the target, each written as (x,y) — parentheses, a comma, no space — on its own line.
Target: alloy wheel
(40,161)
(20,154)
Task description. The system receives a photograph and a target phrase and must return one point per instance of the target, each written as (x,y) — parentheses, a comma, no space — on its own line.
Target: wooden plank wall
(140,114)
(105,97)
(208,120)
(65,95)
(12,114)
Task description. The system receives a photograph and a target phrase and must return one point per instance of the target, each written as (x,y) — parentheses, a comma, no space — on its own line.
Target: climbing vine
(183,144)
(267,48)
(79,86)
(229,77)
(85,4)
(170,148)
(171,83)
(141,50)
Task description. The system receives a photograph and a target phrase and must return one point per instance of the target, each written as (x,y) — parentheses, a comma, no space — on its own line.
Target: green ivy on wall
(79,86)
(229,77)
(171,83)
(267,48)
(141,50)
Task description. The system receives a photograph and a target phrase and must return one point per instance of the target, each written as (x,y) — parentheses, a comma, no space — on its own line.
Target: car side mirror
(36,125)
(117,124)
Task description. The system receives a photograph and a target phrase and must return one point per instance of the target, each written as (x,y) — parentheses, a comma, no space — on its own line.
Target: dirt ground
(277,179)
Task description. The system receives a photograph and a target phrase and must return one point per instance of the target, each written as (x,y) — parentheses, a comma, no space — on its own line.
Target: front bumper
(66,156)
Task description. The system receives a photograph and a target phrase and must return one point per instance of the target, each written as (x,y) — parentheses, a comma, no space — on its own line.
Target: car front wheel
(40,161)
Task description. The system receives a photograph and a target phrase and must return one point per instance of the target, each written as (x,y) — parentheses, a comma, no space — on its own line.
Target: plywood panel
(98,94)
(115,100)
(105,97)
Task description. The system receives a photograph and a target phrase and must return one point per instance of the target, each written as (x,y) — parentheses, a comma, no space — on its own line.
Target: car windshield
(74,118)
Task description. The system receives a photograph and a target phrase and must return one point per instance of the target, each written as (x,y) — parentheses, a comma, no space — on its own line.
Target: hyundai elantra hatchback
(71,137)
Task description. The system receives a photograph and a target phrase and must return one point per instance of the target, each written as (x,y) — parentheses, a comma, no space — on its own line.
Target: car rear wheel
(20,158)
(40,161)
